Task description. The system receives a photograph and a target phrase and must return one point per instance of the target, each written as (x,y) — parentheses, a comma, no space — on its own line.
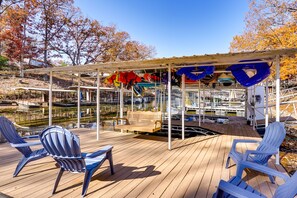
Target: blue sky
(173,27)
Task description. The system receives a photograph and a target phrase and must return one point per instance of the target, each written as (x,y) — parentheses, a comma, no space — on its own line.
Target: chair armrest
(254,152)
(242,141)
(235,190)
(261,168)
(158,121)
(25,144)
(98,153)
(31,137)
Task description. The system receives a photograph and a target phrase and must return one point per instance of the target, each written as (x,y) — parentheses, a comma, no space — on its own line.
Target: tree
(270,24)
(119,47)
(85,41)
(5,4)
(134,50)
(113,44)
(80,40)
(55,28)
(19,44)
(52,16)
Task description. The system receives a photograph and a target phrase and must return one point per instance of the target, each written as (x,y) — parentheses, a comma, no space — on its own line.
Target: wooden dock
(143,166)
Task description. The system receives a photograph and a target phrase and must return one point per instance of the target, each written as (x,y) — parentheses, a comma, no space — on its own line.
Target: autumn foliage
(270,24)
(49,30)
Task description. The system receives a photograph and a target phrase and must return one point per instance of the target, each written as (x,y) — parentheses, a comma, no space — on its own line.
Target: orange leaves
(55,28)
(270,24)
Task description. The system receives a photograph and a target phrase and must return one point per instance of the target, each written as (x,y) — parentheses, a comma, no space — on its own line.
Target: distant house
(33,63)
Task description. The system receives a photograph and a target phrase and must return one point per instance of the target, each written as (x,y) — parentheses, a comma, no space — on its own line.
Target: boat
(28,105)
(62,104)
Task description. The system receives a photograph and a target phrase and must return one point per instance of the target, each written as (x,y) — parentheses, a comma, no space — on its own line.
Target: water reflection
(35,119)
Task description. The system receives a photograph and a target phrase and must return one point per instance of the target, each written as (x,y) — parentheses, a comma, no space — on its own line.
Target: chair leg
(272,179)
(58,180)
(228,161)
(109,157)
(20,166)
(87,179)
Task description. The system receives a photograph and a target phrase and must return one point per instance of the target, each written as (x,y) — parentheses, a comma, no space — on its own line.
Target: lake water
(36,119)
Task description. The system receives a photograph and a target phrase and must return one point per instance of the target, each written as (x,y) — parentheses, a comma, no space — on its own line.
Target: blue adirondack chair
(274,136)
(64,147)
(9,132)
(236,187)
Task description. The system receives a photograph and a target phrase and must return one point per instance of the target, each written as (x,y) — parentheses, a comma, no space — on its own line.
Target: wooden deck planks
(143,167)
(177,181)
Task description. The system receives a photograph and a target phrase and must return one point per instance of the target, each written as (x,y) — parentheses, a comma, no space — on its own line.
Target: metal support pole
(203,92)
(214,101)
(78,102)
(98,104)
(50,100)
(161,97)
(169,107)
(121,102)
(266,106)
(199,100)
(277,85)
(156,107)
(132,98)
(183,106)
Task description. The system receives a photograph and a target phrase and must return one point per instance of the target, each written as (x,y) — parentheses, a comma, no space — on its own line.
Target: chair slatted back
(141,117)
(64,147)
(288,189)
(11,135)
(133,117)
(274,136)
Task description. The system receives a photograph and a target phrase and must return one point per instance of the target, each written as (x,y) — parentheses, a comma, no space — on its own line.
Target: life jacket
(151,77)
(129,79)
(113,79)
(175,79)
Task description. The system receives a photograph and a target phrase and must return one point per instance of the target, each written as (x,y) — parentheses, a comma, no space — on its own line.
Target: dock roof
(220,61)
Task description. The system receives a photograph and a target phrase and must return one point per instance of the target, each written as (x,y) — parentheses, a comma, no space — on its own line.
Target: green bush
(3,61)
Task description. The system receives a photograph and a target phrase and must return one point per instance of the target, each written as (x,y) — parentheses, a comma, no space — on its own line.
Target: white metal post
(277,85)
(183,106)
(98,104)
(87,95)
(266,106)
(132,98)
(156,107)
(199,100)
(121,102)
(78,102)
(50,100)
(203,92)
(254,109)
(169,107)
(214,101)
(230,94)
(161,99)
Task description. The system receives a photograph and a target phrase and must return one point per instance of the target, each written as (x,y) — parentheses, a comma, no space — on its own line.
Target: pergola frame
(220,61)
